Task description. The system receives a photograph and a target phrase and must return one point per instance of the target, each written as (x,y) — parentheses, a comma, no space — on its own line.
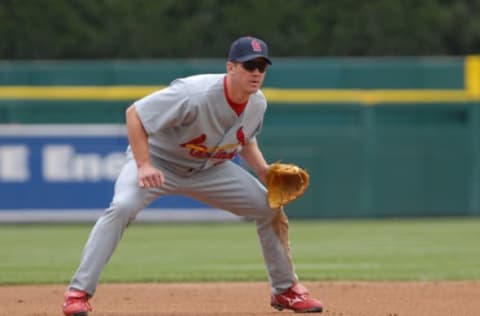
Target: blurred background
(379,100)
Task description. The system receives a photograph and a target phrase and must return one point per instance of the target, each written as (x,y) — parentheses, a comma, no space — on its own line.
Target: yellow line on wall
(76,92)
(367,97)
(472,75)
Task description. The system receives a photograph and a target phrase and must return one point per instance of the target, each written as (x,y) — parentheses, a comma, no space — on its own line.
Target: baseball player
(181,141)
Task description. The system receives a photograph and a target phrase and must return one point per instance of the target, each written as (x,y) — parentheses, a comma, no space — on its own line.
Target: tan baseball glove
(285,183)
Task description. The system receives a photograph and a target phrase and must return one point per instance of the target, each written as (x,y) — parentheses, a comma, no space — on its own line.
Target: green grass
(420,249)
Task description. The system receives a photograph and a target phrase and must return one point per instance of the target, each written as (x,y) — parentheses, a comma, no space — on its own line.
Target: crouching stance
(182,140)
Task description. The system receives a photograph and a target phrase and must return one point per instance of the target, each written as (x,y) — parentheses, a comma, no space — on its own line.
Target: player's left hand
(285,183)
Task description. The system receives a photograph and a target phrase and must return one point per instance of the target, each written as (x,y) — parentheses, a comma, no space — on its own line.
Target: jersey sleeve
(164,108)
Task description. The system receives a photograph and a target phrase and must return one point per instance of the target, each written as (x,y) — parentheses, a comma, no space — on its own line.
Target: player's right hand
(149,177)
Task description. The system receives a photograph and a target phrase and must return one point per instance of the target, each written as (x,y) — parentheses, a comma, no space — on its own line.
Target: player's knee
(272,218)
(124,208)
(266,214)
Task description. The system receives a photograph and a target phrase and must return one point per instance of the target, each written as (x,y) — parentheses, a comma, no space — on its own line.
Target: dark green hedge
(83,29)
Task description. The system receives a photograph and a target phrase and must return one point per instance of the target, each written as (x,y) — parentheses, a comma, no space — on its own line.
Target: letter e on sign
(14,165)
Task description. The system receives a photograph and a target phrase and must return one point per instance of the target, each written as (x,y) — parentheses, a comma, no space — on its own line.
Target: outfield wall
(380,137)
(67,172)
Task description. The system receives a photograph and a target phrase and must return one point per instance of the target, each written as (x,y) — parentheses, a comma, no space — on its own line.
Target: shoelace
(296,298)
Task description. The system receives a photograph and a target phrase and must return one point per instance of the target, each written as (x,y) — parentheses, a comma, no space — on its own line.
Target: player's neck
(236,94)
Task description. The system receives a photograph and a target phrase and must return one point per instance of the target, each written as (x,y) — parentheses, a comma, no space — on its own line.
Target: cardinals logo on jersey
(224,152)
(241,136)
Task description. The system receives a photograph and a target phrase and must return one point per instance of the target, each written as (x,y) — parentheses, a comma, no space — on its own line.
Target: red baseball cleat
(76,303)
(297,299)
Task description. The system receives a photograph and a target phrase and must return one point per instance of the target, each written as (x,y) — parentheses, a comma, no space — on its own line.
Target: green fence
(387,160)
(313,73)
(406,157)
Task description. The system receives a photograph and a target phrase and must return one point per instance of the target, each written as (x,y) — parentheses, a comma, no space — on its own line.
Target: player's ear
(229,65)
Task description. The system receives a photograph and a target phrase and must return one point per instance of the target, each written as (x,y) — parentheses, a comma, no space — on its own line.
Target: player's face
(249,75)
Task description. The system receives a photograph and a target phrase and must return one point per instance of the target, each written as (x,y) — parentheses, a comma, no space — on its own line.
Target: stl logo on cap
(256,46)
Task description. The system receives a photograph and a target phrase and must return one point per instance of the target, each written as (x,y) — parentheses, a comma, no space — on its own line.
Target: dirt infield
(242,299)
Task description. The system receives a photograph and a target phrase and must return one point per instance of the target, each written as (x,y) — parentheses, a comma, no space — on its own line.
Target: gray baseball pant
(227,186)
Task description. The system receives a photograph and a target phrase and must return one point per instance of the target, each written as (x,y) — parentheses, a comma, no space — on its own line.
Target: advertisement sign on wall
(67,172)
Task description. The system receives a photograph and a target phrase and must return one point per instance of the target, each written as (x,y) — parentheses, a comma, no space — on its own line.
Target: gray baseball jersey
(194,132)
(192,127)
